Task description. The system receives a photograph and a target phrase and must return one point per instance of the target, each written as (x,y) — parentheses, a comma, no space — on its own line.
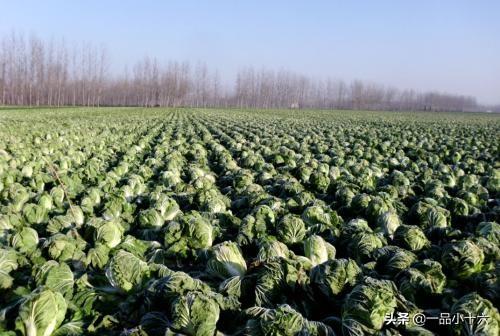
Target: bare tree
(35,72)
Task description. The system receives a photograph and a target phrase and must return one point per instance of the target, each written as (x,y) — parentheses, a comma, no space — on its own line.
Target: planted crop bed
(198,222)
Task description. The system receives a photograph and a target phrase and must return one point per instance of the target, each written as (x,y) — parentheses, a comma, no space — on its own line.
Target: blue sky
(448,45)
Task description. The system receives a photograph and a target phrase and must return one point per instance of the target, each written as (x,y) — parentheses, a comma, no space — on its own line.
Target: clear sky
(444,45)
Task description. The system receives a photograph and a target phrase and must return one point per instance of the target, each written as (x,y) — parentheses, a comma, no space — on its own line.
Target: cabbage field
(127,221)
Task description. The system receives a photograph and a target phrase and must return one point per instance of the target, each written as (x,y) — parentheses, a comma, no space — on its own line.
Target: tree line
(35,72)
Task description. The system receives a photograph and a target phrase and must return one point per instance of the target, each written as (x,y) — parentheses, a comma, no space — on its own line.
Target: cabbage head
(195,314)
(490,231)
(436,217)
(318,250)
(388,222)
(276,279)
(167,207)
(56,276)
(493,183)
(427,214)
(272,248)
(474,305)
(282,321)
(369,302)
(291,229)
(76,215)
(192,232)
(150,219)
(392,259)
(334,276)
(200,231)
(377,207)
(319,181)
(462,259)
(41,314)
(359,204)
(59,224)
(35,214)
(109,233)
(65,248)
(410,237)
(264,216)
(458,207)
(127,272)
(25,240)
(226,261)
(19,199)
(422,280)
(316,214)
(175,284)
(98,256)
(251,229)
(361,245)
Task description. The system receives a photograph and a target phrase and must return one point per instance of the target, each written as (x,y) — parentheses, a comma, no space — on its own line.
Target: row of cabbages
(173,222)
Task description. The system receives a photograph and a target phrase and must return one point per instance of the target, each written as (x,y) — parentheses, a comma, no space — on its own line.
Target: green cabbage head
(195,314)
(369,303)
(25,240)
(474,305)
(110,233)
(410,237)
(127,272)
(462,259)
(421,281)
(291,229)
(332,277)
(318,250)
(41,314)
(227,261)
(56,276)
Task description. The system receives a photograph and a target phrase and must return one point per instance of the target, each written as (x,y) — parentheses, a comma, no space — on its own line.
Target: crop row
(204,222)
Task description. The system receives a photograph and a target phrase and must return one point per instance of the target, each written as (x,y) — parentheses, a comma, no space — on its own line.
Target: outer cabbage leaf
(8,263)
